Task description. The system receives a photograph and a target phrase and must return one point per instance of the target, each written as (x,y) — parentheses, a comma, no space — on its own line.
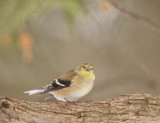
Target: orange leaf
(26,43)
(105,5)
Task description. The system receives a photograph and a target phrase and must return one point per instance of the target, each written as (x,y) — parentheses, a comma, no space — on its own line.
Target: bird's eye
(84,67)
(91,68)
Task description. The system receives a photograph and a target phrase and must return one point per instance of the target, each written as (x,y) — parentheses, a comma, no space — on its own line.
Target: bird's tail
(35,91)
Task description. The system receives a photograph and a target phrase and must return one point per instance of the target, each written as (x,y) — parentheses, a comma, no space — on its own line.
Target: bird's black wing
(62,82)
(57,84)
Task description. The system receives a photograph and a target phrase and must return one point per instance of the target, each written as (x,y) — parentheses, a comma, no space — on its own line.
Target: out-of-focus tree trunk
(128,108)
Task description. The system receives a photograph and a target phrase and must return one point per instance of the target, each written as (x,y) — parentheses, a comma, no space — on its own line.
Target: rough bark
(137,108)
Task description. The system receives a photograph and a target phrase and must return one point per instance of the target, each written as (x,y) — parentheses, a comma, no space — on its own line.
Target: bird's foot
(72,102)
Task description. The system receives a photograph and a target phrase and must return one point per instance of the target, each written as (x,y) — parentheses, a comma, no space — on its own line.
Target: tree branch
(127,108)
(139,18)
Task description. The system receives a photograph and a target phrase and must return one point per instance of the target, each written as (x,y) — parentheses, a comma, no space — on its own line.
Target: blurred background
(40,40)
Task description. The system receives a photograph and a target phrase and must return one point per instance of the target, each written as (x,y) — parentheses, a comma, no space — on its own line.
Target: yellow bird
(71,86)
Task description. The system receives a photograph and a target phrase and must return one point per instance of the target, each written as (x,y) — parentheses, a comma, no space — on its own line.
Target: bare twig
(139,18)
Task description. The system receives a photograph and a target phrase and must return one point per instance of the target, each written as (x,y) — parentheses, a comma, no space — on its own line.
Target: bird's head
(86,70)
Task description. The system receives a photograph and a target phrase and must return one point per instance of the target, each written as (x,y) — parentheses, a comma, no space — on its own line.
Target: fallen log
(139,108)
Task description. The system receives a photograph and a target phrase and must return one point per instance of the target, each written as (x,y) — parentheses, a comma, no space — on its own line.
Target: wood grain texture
(136,108)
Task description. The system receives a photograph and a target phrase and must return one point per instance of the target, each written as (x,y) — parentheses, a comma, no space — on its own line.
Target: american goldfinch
(71,86)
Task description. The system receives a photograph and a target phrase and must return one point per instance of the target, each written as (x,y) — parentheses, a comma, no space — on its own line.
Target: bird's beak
(88,69)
